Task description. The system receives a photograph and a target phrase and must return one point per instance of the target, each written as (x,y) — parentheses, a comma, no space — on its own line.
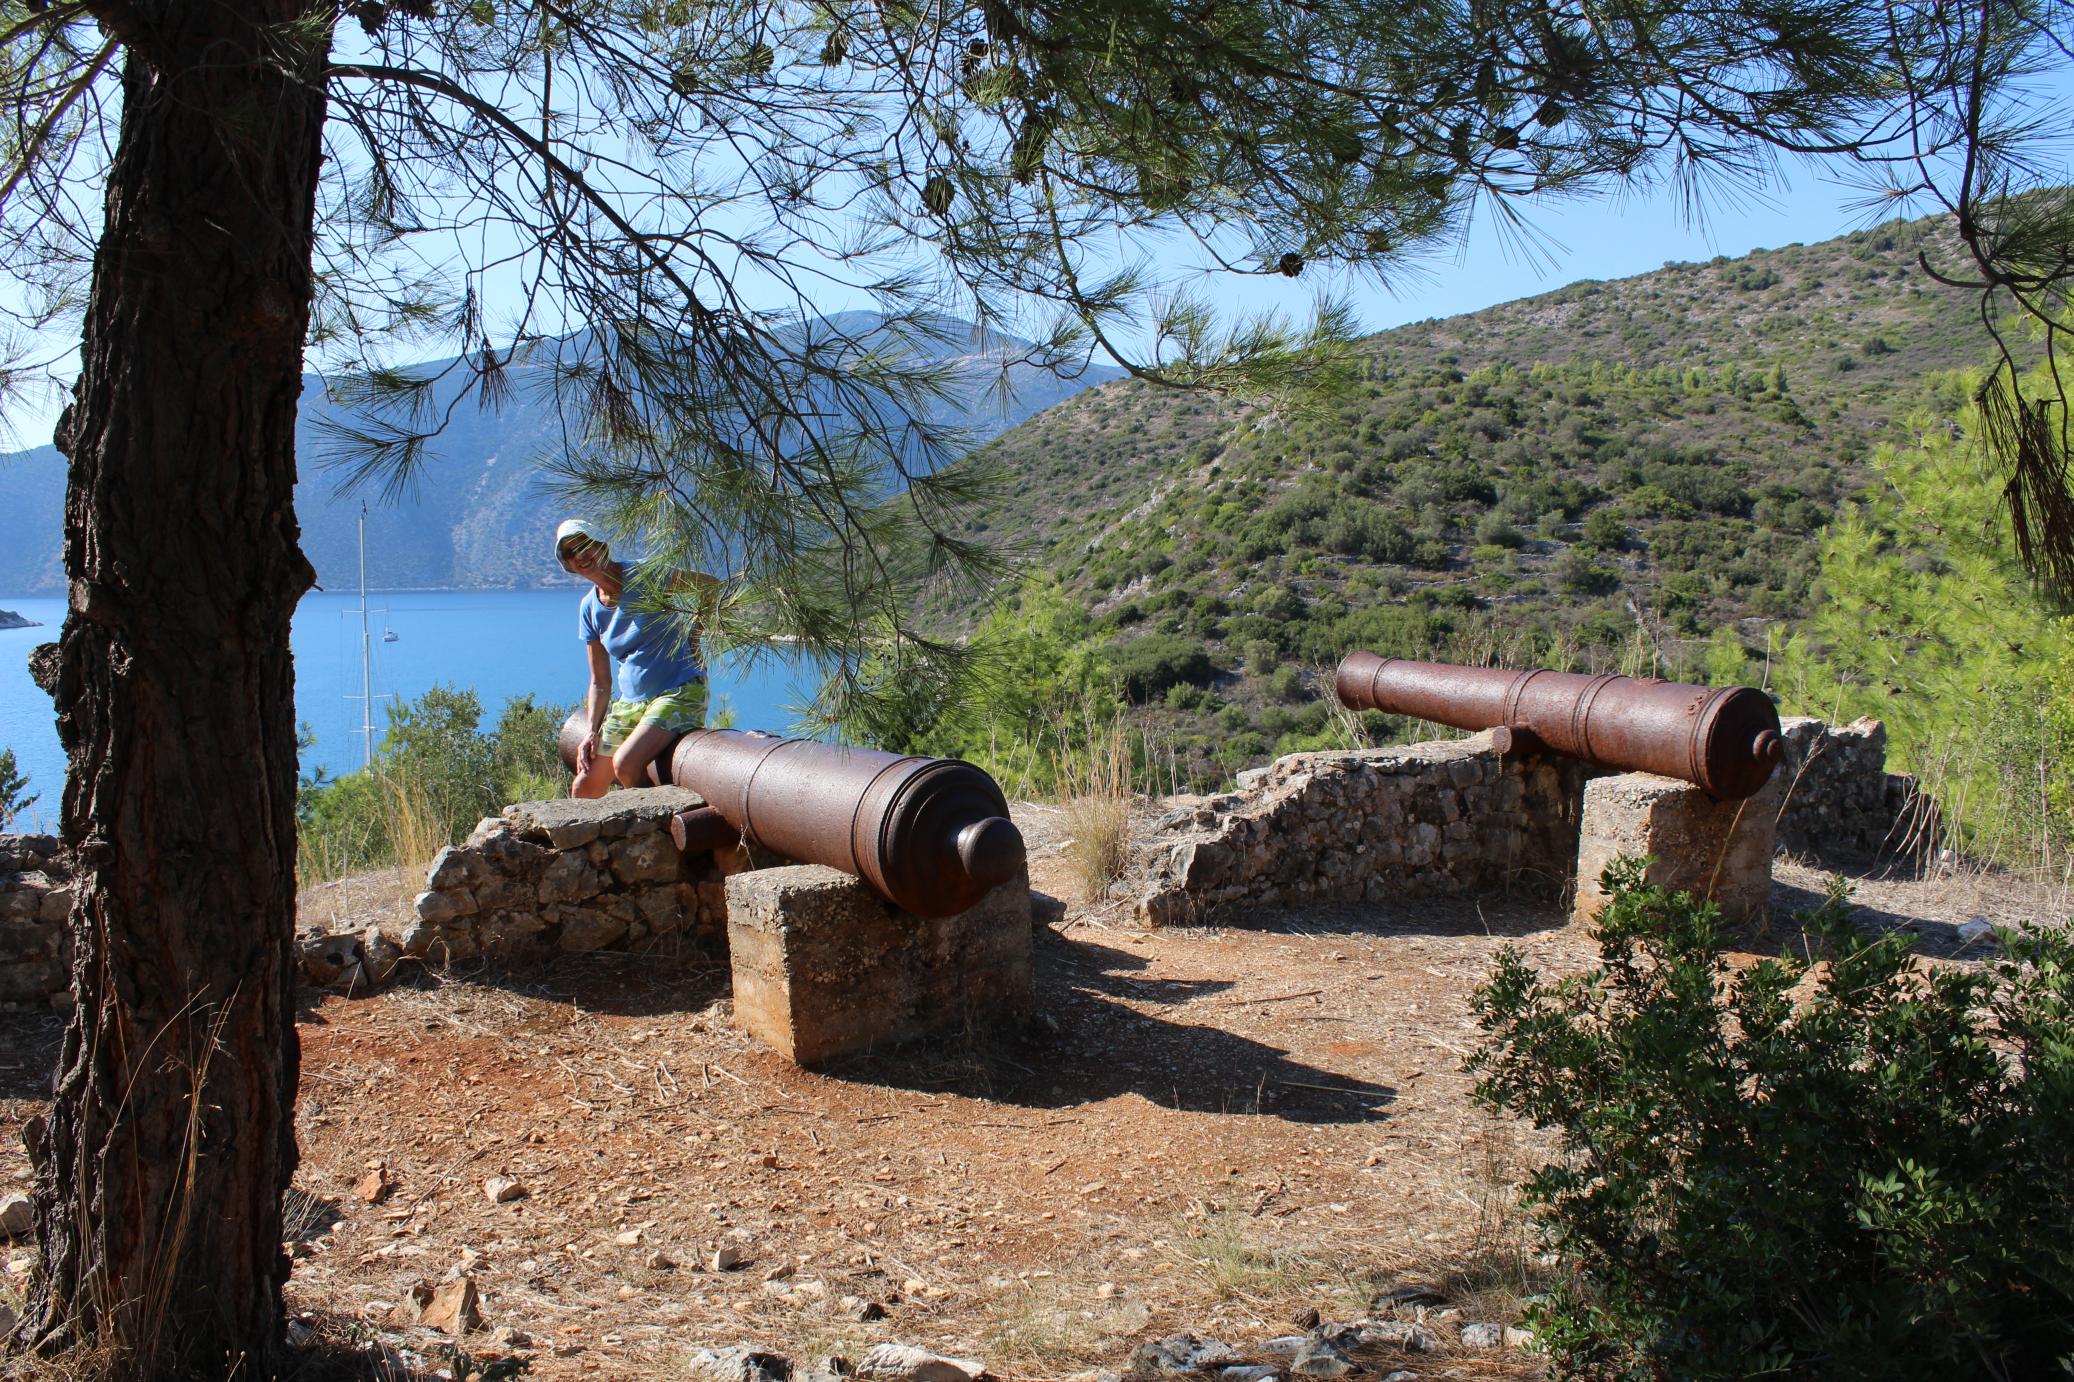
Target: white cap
(575,527)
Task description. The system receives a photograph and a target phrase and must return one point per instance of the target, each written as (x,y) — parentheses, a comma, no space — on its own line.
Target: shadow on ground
(1093,1042)
(29,1044)
(1943,940)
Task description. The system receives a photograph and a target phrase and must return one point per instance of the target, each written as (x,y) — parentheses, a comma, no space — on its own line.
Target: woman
(661,682)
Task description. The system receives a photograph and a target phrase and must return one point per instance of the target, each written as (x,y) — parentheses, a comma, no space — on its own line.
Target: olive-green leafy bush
(1850,1165)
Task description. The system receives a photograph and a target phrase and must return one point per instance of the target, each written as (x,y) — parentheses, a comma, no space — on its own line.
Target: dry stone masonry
(1447,818)
(1455,817)
(1443,818)
(35,894)
(1842,805)
(568,876)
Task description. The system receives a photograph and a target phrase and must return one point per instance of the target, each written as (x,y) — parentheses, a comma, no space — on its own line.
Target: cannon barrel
(930,835)
(1724,740)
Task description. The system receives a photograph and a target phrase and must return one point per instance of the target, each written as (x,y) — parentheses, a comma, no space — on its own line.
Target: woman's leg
(598,780)
(631,759)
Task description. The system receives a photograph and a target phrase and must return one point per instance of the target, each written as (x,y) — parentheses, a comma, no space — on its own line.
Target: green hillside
(1628,473)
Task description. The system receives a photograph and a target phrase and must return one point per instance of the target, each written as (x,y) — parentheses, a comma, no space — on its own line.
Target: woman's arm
(599,702)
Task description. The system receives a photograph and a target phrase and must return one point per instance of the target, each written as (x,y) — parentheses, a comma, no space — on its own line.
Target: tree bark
(170,1140)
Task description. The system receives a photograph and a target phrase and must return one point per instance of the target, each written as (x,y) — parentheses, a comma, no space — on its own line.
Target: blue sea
(500,643)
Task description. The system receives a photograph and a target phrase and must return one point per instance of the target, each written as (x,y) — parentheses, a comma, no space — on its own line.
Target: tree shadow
(1942,940)
(29,1043)
(673,977)
(1521,912)
(1089,1043)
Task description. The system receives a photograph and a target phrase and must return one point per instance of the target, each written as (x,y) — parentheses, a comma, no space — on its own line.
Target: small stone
(1978,929)
(627,1293)
(503,1190)
(1402,1375)
(453,868)
(1107,1291)
(1248,1372)
(1320,1359)
(739,1363)
(327,960)
(1482,1336)
(1515,1337)
(591,930)
(379,955)
(504,1336)
(779,1272)
(452,1309)
(629,1239)
(1178,1355)
(903,1363)
(861,1310)
(727,1259)
(1408,1335)
(375,1186)
(17,1217)
(1287,1346)
(658,1261)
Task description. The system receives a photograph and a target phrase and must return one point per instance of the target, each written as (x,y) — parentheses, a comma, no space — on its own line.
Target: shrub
(15,797)
(1872,1180)
(1149,665)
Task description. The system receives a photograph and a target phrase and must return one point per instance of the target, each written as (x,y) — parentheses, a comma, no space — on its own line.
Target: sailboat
(388,634)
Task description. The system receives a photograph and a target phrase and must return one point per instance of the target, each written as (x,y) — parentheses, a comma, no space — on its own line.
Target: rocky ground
(1259,1137)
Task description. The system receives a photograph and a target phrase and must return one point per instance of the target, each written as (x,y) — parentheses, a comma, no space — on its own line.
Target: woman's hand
(586,752)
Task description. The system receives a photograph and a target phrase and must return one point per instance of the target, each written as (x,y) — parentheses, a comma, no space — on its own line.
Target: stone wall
(568,876)
(1453,817)
(1449,817)
(1843,806)
(35,894)
(1445,818)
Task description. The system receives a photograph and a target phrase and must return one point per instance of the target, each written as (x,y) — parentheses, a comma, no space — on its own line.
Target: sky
(1599,238)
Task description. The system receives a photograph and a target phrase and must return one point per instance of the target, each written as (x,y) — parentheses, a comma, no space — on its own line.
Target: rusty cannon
(929,835)
(1723,740)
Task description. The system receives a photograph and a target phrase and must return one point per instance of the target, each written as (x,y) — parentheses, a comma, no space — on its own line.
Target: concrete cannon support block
(1716,849)
(824,969)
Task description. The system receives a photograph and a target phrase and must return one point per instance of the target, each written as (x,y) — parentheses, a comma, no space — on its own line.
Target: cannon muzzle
(1725,741)
(930,835)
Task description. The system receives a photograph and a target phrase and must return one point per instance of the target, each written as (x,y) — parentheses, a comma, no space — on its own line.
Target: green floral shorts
(679,711)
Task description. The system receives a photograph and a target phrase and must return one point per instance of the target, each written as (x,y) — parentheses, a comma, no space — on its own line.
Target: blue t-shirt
(653,649)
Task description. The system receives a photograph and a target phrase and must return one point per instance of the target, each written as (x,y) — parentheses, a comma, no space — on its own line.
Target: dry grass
(1046,1326)
(1234,1265)
(1096,794)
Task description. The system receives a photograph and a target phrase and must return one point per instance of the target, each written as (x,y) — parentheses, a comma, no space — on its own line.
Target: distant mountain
(10,620)
(478,516)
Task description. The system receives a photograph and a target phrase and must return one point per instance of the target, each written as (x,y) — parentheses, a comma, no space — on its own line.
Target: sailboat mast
(366,656)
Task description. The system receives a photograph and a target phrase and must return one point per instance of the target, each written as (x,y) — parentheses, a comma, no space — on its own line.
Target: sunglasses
(577,547)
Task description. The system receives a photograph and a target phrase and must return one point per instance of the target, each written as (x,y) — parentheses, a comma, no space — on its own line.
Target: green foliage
(434,775)
(1149,665)
(1867,1177)
(1928,621)
(15,797)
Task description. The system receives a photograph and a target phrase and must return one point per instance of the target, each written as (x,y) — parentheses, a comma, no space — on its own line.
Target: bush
(1874,1180)
(1149,665)
(435,773)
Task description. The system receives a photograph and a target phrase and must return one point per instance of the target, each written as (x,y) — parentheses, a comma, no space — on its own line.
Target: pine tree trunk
(171,1136)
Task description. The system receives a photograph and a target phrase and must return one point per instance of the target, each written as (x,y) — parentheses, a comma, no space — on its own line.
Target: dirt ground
(1209,1129)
